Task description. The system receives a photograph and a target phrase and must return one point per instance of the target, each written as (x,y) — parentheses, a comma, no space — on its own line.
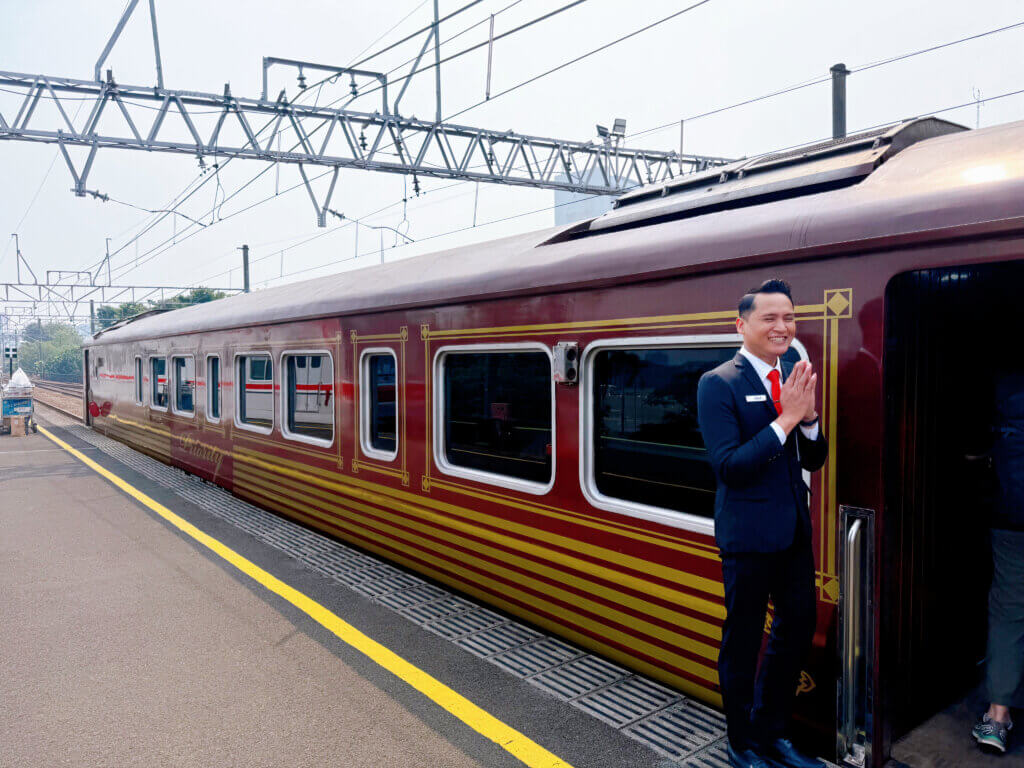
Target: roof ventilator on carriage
(807,170)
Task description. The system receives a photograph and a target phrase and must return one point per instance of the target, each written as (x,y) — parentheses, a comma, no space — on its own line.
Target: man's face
(769,327)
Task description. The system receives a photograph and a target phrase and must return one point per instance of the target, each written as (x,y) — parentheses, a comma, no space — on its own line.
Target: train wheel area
(140,642)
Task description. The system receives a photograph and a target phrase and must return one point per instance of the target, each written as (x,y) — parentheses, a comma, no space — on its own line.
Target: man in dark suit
(761,430)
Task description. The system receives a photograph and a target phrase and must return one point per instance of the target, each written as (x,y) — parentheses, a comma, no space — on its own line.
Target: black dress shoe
(782,753)
(745,758)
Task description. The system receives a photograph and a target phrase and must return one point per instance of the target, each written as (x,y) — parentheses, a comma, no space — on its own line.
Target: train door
(951,335)
(86,388)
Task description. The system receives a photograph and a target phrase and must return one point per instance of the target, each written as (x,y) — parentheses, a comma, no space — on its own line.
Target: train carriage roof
(923,177)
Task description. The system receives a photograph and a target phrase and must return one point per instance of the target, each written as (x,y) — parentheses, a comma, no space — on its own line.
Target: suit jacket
(761,500)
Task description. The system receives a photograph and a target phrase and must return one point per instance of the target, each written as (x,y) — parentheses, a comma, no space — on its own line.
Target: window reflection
(647,445)
(498,413)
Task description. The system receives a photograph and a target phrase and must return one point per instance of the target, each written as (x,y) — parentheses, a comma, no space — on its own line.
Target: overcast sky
(721,53)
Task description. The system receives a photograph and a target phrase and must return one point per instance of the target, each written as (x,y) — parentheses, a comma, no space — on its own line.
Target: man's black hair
(768,286)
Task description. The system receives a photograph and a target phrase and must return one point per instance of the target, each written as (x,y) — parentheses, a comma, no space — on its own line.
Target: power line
(571,202)
(315,130)
(434,237)
(865,67)
(825,79)
(477,46)
(588,54)
(457,35)
(427,28)
(173,208)
(395,26)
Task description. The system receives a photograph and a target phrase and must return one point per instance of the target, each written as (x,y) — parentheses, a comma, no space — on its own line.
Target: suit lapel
(755,382)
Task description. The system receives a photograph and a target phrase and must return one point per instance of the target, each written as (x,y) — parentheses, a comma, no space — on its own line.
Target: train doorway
(951,334)
(86,382)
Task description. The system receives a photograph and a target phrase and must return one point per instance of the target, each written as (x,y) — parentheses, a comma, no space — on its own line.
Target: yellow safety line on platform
(509,739)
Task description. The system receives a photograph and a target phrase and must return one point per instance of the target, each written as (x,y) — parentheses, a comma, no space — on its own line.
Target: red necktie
(773,377)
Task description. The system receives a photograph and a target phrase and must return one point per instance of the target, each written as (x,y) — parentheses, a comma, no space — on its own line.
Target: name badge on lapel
(757,398)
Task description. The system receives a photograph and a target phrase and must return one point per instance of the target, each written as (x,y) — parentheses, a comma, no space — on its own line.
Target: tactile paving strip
(680,730)
(687,732)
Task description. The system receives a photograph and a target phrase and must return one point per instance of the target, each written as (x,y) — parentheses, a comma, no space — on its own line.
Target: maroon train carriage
(517,419)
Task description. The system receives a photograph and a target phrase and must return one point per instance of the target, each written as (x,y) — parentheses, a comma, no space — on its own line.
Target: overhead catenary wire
(547,208)
(259,132)
(825,79)
(478,46)
(391,29)
(434,237)
(871,65)
(130,266)
(581,57)
(315,130)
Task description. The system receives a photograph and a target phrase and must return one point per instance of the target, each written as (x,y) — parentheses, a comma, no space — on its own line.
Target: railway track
(65,388)
(61,396)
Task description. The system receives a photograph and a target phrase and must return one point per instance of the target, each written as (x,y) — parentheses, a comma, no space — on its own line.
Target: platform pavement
(126,644)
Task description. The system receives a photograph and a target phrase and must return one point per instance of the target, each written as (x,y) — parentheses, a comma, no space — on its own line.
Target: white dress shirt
(763,369)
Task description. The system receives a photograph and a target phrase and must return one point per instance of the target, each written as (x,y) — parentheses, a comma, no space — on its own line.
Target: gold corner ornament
(839,303)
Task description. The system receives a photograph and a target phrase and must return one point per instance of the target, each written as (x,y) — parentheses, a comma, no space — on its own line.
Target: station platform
(155,619)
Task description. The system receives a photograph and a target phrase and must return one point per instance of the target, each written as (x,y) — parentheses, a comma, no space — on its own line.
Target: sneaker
(991,734)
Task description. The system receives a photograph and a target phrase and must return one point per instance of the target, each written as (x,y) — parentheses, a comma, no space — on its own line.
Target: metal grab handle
(852,609)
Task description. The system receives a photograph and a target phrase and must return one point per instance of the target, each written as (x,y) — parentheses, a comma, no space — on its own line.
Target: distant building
(573,206)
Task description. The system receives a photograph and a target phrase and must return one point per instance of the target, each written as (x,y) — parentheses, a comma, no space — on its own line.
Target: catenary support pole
(437,60)
(245,268)
(839,74)
(156,45)
(490,57)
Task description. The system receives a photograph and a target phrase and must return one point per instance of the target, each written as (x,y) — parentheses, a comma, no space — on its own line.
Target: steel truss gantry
(68,301)
(63,290)
(334,138)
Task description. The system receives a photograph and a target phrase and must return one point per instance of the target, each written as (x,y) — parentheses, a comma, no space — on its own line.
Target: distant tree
(195,296)
(34,332)
(66,365)
(51,350)
(107,314)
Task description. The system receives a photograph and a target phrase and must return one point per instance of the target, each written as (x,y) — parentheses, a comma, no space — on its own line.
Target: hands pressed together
(798,397)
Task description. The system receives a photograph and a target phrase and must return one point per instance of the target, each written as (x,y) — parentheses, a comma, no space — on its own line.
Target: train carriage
(518,419)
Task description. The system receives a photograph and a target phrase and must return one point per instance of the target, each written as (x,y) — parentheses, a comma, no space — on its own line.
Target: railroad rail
(66,388)
(61,396)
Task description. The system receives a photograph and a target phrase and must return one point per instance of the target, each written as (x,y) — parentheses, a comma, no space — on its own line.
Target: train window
(139,388)
(184,384)
(309,397)
(254,392)
(643,451)
(212,388)
(158,382)
(378,423)
(495,415)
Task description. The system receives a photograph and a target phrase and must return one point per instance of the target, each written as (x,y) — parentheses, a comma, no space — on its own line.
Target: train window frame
(153,383)
(173,390)
(283,397)
(209,394)
(588,484)
(139,375)
(365,405)
(438,412)
(236,379)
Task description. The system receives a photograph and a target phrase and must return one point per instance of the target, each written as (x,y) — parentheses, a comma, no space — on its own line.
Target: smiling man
(761,429)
